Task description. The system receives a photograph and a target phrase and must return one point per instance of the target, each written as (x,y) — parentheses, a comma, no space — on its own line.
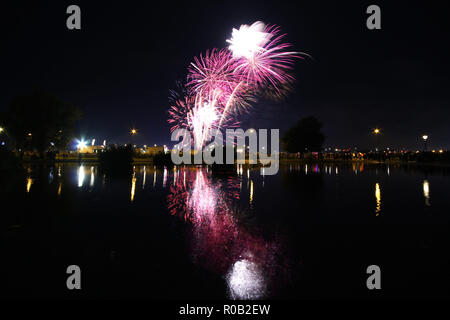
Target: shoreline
(281,161)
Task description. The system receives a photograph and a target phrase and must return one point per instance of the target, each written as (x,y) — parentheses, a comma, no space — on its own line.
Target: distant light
(133,131)
(425,137)
(104,142)
(30,134)
(1,129)
(155,145)
(81,144)
(93,141)
(3,143)
(376,131)
(441,151)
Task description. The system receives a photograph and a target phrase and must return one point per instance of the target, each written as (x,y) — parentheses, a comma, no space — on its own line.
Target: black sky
(119,68)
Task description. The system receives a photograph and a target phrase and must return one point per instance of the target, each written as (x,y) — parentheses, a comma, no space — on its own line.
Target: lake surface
(310,231)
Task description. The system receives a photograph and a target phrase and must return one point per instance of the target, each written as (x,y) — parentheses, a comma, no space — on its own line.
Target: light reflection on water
(144,178)
(133,186)
(215,208)
(378,198)
(80,176)
(29,183)
(91,183)
(220,244)
(246,281)
(180,175)
(426,192)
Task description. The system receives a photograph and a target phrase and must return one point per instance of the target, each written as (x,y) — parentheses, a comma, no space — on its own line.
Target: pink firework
(262,58)
(212,73)
(222,83)
(179,113)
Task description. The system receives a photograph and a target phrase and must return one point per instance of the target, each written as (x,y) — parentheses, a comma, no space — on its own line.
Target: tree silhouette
(305,135)
(39,121)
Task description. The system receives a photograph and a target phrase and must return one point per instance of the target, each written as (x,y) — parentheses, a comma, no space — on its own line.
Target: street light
(425,138)
(133,132)
(376,132)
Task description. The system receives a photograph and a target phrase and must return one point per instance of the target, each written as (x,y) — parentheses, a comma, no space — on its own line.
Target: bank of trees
(305,136)
(39,122)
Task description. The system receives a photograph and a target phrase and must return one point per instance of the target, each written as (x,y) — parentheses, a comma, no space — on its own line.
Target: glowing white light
(203,117)
(248,40)
(81,144)
(245,281)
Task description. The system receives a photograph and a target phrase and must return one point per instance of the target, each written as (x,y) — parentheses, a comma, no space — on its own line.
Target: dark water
(187,233)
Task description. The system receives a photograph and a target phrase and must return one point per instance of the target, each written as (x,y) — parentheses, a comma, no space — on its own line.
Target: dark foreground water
(310,231)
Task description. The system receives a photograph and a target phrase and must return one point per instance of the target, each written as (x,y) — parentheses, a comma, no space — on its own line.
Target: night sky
(120,66)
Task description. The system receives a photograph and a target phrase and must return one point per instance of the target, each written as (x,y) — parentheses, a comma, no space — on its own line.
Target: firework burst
(212,73)
(265,60)
(222,84)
